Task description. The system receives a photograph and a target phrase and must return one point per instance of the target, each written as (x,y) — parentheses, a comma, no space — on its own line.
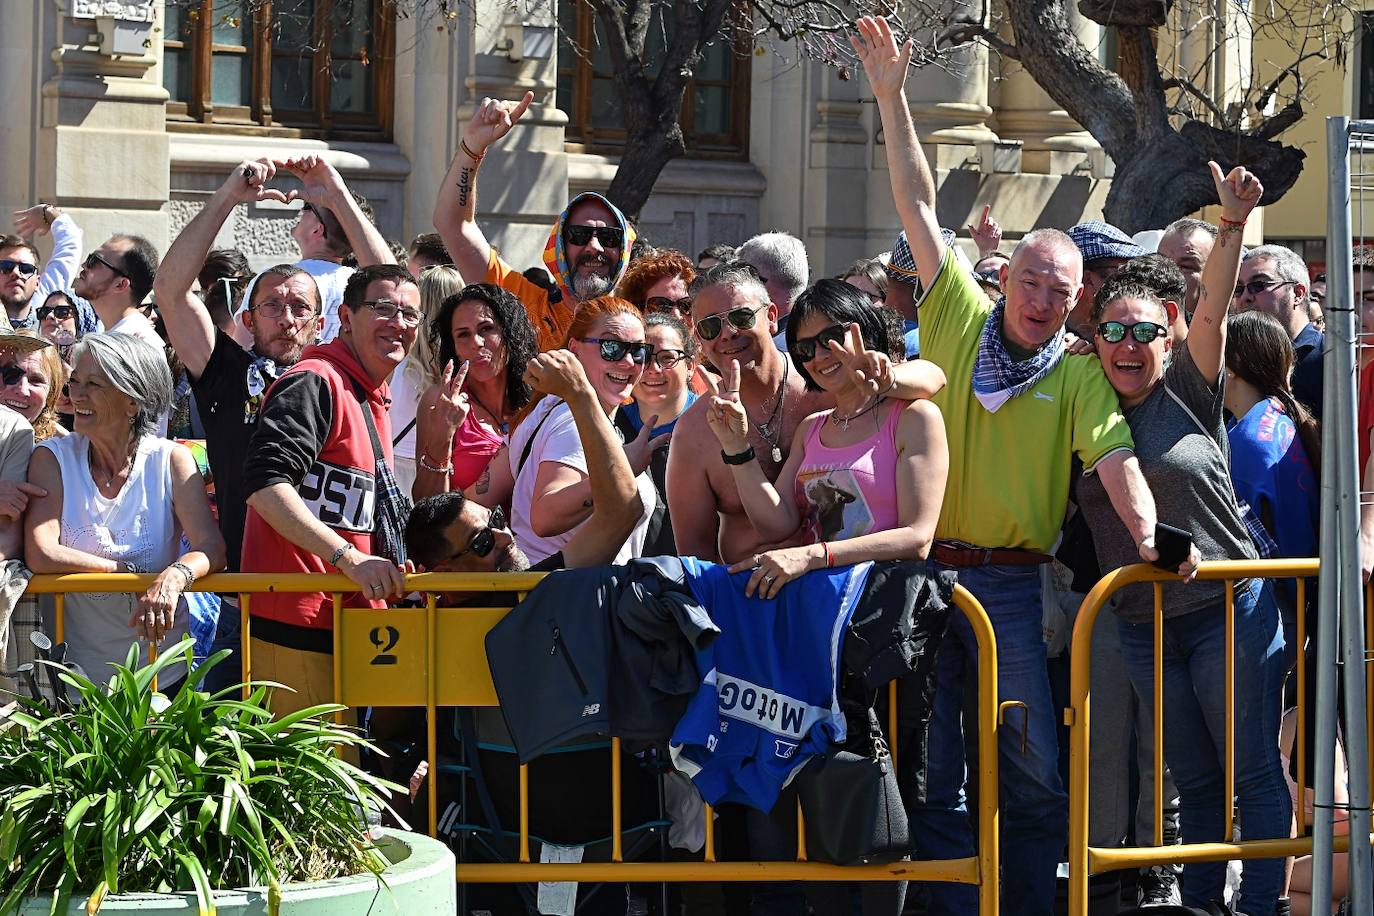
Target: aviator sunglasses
(613,351)
(742,319)
(1143,331)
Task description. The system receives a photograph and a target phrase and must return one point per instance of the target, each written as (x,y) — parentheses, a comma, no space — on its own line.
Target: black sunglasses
(613,351)
(60,312)
(806,347)
(25,269)
(94,258)
(10,375)
(608,236)
(742,318)
(1258,286)
(664,304)
(1143,331)
(485,539)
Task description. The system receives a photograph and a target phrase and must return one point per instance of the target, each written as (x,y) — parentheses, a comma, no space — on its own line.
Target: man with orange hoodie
(587,251)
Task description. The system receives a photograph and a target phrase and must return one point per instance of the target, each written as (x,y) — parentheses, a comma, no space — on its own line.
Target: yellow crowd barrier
(1086,860)
(390,657)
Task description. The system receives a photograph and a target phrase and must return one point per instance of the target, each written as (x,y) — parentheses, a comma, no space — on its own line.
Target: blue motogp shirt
(767,701)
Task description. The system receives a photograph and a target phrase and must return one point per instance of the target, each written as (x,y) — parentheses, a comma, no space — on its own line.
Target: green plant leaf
(205,897)
(109,840)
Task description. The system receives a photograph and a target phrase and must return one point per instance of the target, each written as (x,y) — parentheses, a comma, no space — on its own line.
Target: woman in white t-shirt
(419,371)
(119,500)
(545,474)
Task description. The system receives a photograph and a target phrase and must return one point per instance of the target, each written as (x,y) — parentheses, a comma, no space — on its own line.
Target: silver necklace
(90,455)
(770,435)
(843,422)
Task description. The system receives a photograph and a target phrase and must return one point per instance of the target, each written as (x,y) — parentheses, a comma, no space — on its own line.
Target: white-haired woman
(119,500)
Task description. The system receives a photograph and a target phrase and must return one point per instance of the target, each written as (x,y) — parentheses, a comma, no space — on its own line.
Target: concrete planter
(420,882)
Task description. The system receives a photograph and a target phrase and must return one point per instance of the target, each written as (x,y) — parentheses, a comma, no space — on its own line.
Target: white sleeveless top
(137,526)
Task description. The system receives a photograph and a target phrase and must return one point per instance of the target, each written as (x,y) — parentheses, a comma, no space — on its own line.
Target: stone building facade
(101,125)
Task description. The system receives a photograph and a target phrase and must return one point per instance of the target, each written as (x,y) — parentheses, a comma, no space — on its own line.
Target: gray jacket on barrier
(607,650)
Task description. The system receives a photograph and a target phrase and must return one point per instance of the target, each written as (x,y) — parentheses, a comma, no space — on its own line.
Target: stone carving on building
(126,10)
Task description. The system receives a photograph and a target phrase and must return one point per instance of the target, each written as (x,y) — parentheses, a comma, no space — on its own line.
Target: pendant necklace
(770,435)
(843,422)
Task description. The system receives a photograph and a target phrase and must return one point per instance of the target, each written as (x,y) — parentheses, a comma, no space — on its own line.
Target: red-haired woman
(545,474)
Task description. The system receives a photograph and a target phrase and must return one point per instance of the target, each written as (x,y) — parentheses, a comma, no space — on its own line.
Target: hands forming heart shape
(319,181)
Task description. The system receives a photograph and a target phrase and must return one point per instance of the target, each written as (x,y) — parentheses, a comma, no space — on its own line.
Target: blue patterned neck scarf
(997,377)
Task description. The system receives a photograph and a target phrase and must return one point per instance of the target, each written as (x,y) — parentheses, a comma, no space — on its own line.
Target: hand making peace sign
(870,370)
(725,414)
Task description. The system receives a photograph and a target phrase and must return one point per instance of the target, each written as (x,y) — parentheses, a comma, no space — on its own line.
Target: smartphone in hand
(1173,545)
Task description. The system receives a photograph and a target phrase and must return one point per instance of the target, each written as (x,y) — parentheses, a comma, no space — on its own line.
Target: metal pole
(1329,577)
(1340,350)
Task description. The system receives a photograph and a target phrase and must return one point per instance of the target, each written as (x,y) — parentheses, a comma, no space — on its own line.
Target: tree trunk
(647,151)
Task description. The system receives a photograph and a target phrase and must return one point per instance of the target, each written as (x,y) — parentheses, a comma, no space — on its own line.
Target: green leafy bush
(121,795)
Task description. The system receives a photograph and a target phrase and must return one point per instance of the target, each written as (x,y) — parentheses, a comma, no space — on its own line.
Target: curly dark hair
(880,326)
(517,334)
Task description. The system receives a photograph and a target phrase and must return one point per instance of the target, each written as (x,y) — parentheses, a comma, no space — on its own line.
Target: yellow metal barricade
(1085,860)
(389,657)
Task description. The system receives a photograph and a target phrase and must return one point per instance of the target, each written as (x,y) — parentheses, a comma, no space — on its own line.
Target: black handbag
(852,804)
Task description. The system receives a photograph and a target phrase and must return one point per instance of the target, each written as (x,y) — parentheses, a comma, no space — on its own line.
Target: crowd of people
(1029,418)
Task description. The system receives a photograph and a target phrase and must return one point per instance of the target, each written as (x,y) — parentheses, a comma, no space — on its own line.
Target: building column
(949,100)
(101,147)
(524,178)
(1054,143)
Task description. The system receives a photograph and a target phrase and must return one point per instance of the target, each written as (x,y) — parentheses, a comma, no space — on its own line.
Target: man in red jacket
(322,492)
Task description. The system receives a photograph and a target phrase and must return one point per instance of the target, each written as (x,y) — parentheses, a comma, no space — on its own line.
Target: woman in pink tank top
(864,479)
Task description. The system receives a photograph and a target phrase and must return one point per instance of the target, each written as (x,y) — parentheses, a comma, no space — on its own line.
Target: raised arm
(190,330)
(616,505)
(66,246)
(875,371)
(913,187)
(455,210)
(323,186)
(1238,192)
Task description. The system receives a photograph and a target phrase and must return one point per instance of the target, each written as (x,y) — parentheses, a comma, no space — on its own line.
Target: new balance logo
(591,710)
(1041,396)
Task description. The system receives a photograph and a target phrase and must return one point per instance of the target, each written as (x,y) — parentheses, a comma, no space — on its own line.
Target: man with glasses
(21,282)
(322,495)
(1274,279)
(1104,249)
(115,279)
(229,382)
(587,251)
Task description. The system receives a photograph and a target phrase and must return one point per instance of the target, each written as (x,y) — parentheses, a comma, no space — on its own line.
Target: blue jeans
(1034,804)
(230,671)
(1195,734)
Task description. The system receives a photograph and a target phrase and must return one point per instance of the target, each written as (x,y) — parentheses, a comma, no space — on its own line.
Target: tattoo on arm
(483,482)
(464,186)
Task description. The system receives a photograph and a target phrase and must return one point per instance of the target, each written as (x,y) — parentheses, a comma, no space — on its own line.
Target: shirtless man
(735,321)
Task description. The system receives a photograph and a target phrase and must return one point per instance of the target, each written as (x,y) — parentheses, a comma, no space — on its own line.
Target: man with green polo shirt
(1017,410)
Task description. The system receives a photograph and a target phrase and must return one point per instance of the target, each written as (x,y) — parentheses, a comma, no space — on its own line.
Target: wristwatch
(743,457)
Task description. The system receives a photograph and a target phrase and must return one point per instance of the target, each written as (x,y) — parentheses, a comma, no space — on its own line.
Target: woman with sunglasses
(1173,399)
(480,338)
(658,281)
(662,395)
(544,474)
(31,382)
(864,480)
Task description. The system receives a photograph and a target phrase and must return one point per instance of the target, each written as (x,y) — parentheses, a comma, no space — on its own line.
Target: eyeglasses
(608,236)
(314,211)
(666,359)
(742,319)
(274,308)
(485,539)
(613,351)
(664,304)
(25,269)
(59,312)
(95,258)
(387,310)
(805,347)
(1258,286)
(1143,331)
(10,375)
